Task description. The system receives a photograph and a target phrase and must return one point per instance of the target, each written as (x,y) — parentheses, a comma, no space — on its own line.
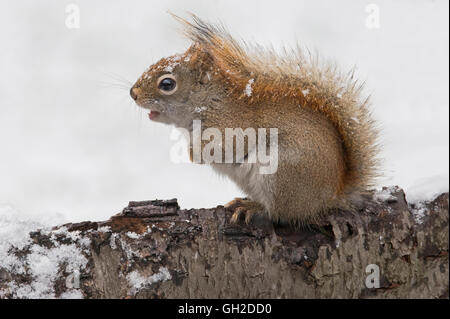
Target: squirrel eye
(167,84)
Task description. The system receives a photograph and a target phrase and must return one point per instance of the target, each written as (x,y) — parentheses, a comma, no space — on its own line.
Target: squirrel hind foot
(243,207)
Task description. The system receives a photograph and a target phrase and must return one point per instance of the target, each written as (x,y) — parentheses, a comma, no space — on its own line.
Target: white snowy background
(73,146)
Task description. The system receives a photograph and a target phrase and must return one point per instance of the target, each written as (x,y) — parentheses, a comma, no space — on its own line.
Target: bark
(153,249)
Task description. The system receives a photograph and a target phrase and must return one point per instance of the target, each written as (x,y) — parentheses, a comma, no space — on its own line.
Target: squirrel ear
(201,62)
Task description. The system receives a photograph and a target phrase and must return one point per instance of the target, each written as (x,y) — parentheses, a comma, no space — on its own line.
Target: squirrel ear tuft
(198,30)
(215,47)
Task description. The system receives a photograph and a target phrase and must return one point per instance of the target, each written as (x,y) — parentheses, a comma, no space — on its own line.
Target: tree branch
(155,250)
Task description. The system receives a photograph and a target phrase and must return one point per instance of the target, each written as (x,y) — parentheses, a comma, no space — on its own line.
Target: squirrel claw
(243,207)
(235,203)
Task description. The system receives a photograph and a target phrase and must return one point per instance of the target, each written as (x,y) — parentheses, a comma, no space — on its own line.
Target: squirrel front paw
(243,207)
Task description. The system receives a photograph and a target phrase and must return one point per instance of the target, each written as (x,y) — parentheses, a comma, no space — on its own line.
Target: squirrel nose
(134,93)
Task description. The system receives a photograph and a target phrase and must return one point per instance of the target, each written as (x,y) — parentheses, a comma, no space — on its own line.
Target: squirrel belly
(327,149)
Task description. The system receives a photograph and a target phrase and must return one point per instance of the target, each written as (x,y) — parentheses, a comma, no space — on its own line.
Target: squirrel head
(213,71)
(178,89)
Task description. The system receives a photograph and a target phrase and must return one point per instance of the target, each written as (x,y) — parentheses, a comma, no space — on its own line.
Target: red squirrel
(327,149)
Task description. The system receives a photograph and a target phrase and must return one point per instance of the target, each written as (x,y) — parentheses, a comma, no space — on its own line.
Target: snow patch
(137,281)
(419,212)
(200,109)
(248,88)
(112,241)
(104,229)
(173,62)
(42,264)
(385,194)
(133,235)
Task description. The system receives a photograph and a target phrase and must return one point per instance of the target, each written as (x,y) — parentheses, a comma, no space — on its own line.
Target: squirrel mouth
(152,115)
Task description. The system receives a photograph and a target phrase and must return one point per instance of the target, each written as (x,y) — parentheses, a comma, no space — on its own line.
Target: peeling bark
(153,249)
